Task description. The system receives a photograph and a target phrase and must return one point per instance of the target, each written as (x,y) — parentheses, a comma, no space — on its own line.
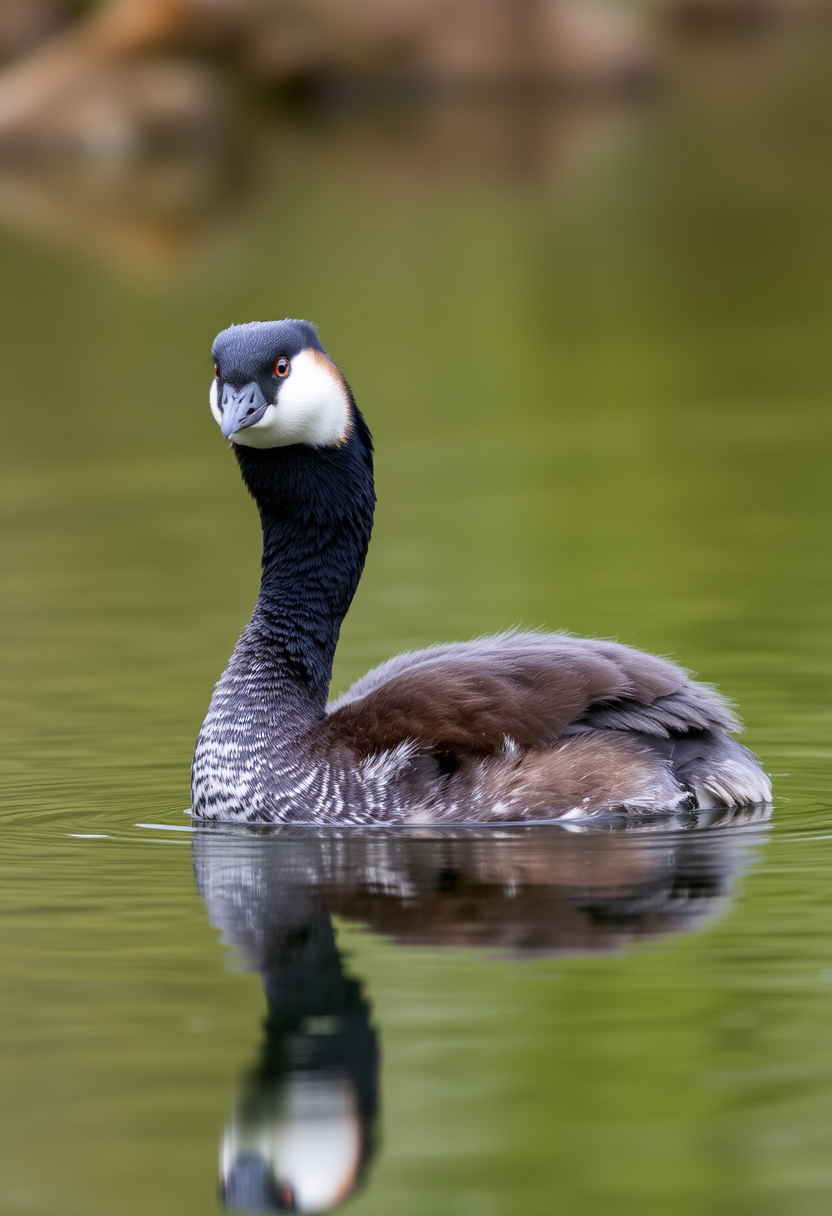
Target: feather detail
(468,697)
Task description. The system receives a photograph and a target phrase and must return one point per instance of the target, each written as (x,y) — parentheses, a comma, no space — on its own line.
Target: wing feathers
(692,707)
(531,687)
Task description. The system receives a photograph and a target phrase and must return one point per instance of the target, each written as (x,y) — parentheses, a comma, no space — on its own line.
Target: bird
(519,726)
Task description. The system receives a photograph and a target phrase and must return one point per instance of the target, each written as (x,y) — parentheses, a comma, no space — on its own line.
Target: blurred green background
(592,340)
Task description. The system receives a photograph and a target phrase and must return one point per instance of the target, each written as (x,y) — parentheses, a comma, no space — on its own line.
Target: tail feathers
(717,770)
(733,784)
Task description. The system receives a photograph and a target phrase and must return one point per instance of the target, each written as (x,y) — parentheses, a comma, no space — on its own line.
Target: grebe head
(274,385)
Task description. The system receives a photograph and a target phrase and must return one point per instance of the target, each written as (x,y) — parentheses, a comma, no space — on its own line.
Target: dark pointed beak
(241,407)
(249,1187)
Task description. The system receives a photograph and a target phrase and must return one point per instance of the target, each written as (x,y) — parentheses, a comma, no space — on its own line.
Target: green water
(594,349)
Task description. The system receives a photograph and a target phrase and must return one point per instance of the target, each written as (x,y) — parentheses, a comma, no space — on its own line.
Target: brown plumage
(468,697)
(531,687)
(547,724)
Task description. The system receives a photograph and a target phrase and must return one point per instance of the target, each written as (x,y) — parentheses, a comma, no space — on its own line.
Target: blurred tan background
(147,128)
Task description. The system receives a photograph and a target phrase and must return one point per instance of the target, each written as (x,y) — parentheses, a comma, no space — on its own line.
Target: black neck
(316,506)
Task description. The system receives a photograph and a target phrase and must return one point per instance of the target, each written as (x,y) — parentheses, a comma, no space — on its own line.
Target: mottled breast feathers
(468,697)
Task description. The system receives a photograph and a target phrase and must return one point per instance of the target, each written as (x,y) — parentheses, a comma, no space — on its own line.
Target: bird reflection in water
(302,1134)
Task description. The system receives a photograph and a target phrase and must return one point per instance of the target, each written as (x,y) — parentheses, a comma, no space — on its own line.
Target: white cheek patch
(309,1138)
(312,407)
(213,398)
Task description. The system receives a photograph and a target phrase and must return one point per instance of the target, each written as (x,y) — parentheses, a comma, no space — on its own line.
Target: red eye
(281,367)
(217,370)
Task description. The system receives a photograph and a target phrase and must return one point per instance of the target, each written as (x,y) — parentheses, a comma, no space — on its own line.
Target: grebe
(518,726)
